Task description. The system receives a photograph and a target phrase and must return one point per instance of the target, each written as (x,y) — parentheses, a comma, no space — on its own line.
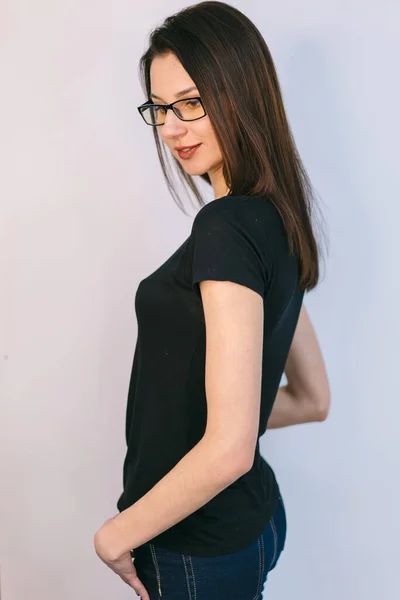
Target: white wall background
(85,214)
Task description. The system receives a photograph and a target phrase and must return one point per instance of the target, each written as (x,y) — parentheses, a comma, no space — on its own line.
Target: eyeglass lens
(188,110)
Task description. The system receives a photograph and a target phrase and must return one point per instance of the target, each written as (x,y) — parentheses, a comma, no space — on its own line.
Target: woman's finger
(137,585)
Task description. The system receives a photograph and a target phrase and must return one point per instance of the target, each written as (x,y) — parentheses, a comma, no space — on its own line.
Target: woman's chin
(193,169)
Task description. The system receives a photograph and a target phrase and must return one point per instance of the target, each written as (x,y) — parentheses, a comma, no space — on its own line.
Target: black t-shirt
(236,238)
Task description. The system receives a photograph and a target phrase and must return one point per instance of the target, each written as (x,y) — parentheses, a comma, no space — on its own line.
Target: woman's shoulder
(242,209)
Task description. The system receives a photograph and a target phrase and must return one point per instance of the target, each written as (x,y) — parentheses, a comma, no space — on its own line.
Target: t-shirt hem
(253,531)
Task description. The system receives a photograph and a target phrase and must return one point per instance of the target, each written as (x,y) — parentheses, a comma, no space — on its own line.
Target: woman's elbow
(321,405)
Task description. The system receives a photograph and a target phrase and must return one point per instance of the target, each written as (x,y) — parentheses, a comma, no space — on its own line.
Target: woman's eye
(192,103)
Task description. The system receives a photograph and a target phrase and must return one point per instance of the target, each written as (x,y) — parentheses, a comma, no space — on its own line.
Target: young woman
(201,513)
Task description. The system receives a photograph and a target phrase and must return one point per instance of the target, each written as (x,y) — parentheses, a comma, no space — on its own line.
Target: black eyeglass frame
(170,107)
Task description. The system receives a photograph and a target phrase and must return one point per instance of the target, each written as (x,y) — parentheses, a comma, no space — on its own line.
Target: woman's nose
(173,125)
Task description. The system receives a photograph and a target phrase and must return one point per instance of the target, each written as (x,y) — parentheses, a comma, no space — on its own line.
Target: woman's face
(167,79)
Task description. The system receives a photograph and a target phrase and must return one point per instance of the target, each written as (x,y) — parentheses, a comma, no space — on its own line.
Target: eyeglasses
(189,109)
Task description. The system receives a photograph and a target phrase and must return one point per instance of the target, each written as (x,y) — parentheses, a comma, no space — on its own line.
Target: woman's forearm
(292,409)
(206,470)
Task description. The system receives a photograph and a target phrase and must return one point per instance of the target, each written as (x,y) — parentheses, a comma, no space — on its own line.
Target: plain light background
(86,214)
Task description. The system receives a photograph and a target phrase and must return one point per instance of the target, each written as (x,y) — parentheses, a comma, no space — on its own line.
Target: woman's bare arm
(306,397)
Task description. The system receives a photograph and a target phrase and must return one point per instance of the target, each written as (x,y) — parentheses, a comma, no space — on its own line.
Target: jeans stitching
(194,581)
(154,557)
(260,542)
(187,577)
(275,542)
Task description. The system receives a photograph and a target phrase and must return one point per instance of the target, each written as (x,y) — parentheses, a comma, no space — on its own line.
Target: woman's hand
(123,565)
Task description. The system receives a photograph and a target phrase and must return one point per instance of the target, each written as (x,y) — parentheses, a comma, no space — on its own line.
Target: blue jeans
(237,576)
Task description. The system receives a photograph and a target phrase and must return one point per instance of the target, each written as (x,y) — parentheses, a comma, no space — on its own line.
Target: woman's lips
(185,154)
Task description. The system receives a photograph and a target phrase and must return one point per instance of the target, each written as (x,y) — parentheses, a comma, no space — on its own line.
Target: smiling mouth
(188,152)
(187,148)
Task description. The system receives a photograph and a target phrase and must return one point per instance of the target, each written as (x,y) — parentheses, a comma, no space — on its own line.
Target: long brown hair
(228,59)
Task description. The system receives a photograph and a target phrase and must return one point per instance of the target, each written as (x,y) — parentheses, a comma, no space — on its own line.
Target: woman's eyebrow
(181,93)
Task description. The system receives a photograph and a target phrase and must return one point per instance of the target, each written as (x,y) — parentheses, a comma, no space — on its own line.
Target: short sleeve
(229,243)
